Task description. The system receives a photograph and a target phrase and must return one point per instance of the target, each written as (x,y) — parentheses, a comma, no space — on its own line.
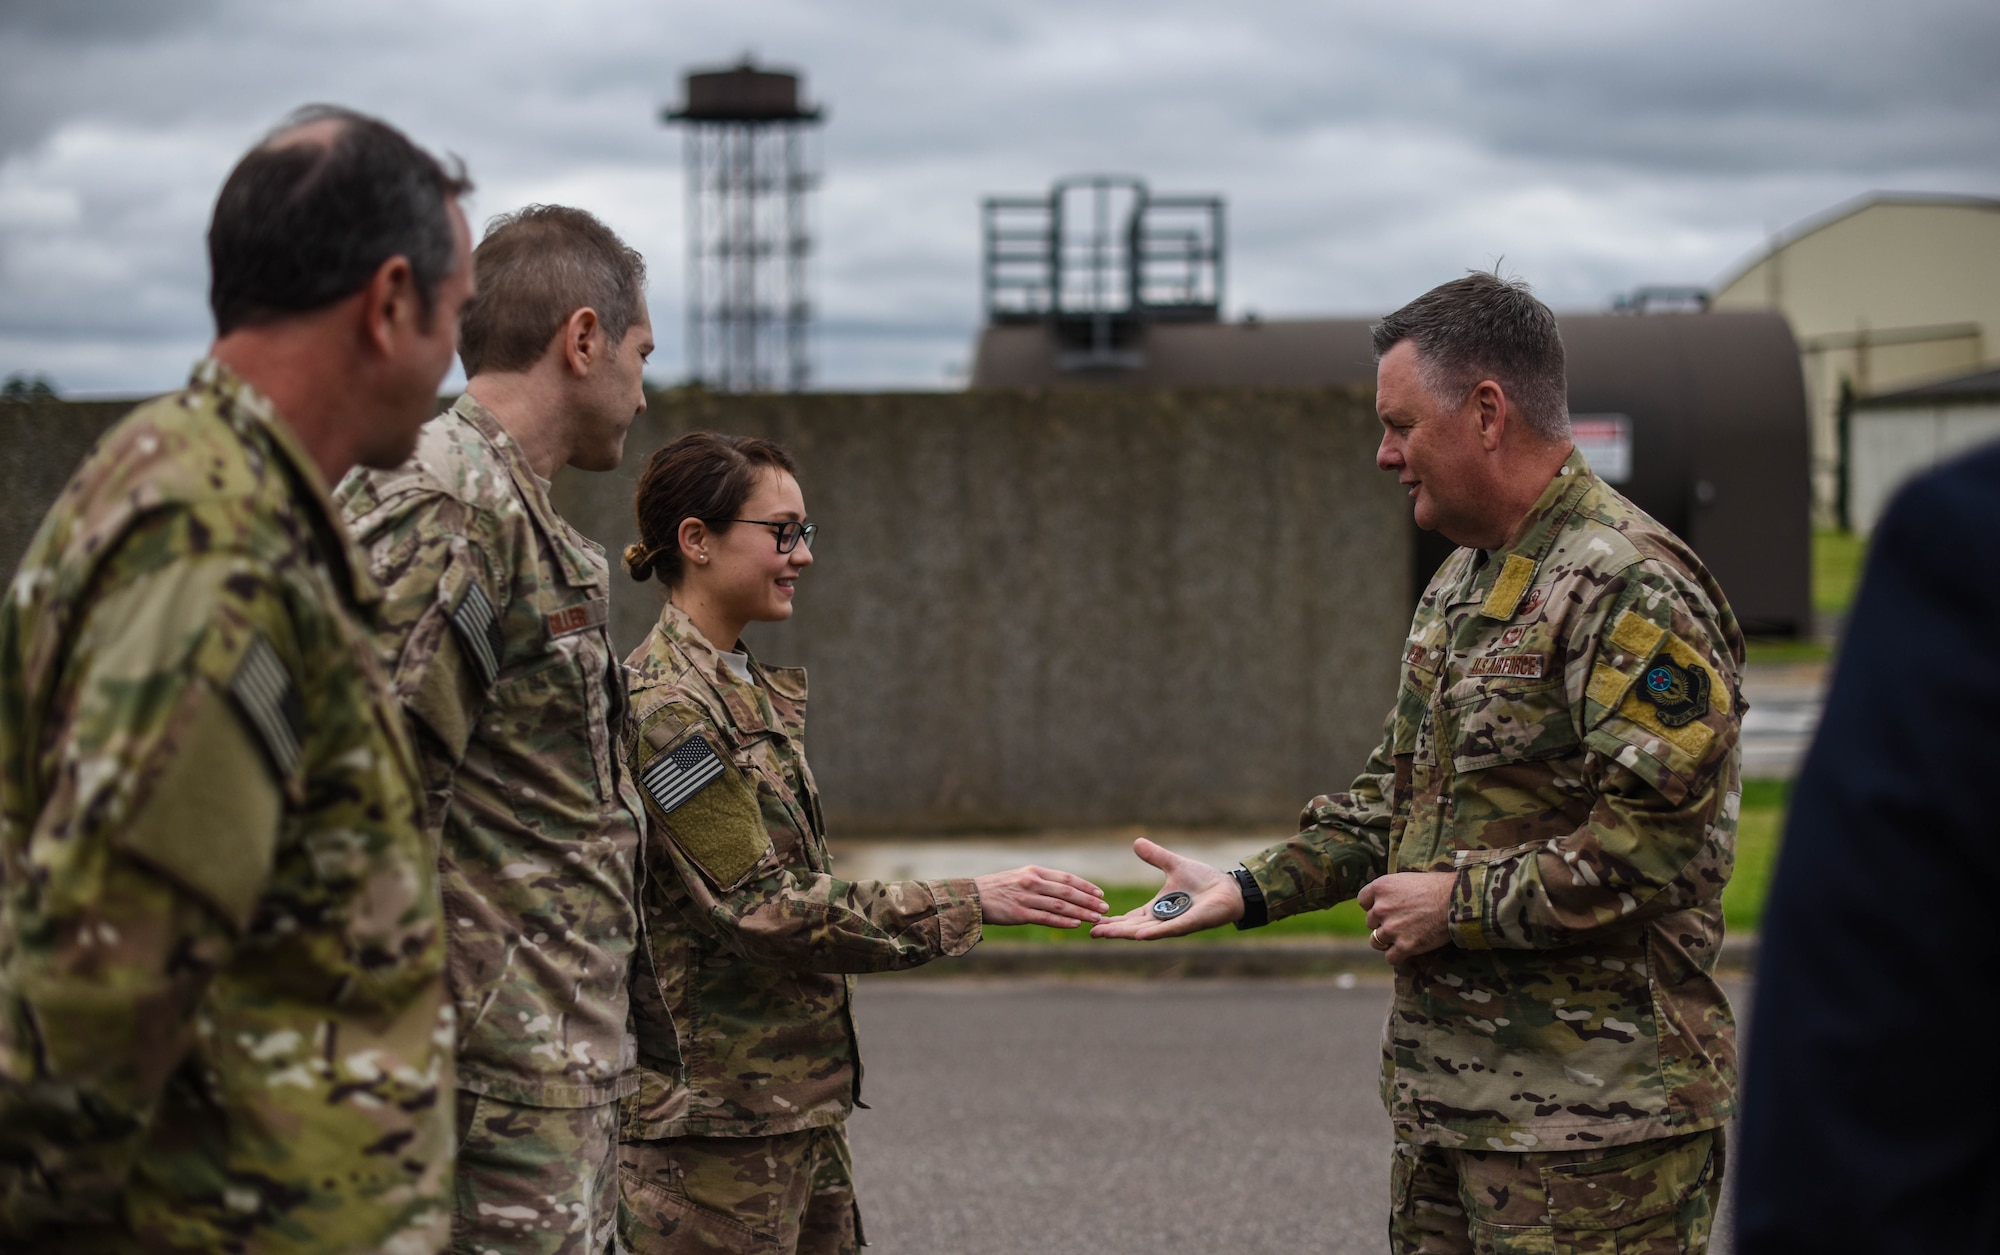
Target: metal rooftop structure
(1097,260)
(748,172)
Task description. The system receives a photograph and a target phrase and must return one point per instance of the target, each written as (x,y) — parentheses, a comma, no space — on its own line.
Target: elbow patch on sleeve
(707,809)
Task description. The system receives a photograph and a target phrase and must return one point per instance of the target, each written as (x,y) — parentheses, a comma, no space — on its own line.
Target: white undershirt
(738,664)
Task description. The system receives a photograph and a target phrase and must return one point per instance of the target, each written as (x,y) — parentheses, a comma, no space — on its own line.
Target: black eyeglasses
(790,531)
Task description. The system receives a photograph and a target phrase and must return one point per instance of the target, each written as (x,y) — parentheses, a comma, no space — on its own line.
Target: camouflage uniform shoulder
(185,451)
(454,471)
(1652,557)
(663,685)
(1663,696)
(1635,536)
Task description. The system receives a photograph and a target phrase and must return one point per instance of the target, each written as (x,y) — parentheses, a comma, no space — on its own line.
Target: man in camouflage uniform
(1543,836)
(495,627)
(223,1021)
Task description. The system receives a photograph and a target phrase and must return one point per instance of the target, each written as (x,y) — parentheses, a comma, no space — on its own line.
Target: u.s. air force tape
(262,688)
(478,633)
(679,774)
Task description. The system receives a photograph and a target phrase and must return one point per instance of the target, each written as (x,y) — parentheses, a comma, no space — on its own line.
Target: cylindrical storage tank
(1719,444)
(1707,411)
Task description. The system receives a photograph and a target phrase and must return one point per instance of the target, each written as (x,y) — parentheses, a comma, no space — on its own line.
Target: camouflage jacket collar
(256,421)
(751,712)
(1504,575)
(579,571)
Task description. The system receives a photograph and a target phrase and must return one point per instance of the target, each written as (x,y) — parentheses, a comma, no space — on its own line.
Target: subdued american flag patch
(477,632)
(679,774)
(263,690)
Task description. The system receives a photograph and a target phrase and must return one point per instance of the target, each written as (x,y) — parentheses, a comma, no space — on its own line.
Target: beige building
(1894,436)
(1884,293)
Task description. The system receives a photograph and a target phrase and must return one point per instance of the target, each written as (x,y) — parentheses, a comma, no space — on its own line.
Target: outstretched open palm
(1217,900)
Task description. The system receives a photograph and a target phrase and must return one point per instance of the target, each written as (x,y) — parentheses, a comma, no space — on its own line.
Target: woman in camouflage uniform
(736,1139)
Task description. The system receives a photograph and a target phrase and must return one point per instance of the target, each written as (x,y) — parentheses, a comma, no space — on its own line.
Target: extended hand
(1408,912)
(1217,900)
(1036,895)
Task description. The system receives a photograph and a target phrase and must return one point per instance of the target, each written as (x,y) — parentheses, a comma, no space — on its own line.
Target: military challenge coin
(1173,905)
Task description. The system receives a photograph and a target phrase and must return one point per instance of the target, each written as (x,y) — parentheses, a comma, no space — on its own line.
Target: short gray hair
(1486,327)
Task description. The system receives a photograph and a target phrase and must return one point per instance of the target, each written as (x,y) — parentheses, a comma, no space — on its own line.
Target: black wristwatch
(1254,913)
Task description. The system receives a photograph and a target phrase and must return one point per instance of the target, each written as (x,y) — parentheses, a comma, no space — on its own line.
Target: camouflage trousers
(740,1195)
(535,1180)
(1656,1197)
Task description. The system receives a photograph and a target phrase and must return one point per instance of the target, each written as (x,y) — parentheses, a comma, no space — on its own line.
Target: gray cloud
(1366,151)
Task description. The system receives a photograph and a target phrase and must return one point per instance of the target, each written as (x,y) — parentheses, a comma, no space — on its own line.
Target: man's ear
(583,341)
(389,305)
(1490,411)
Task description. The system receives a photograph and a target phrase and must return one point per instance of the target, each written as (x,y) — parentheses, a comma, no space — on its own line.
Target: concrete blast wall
(1043,610)
(1032,610)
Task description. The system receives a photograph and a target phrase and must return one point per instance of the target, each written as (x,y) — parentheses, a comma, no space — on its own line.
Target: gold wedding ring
(1375,939)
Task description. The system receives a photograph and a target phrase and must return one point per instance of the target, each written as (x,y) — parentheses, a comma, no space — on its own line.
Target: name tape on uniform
(580,617)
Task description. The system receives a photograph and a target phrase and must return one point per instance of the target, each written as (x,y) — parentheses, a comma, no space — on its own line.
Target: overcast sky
(1367,152)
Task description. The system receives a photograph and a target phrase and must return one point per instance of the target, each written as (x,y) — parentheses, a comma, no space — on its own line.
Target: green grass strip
(1758,829)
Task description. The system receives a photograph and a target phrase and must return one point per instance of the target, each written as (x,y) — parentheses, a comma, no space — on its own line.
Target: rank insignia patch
(1680,693)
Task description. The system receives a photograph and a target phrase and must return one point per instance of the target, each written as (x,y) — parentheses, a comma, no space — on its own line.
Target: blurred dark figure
(1871,1103)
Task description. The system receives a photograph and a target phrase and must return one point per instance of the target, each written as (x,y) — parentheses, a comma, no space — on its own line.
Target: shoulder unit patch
(478,633)
(263,689)
(1680,693)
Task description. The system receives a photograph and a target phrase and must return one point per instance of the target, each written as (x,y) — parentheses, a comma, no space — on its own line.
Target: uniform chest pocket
(554,719)
(1413,702)
(1491,720)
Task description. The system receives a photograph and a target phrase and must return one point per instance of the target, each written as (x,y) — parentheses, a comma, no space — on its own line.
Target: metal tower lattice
(1098,259)
(748,174)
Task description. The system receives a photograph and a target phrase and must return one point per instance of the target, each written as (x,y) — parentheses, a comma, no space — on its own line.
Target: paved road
(1020,1117)
(1785,703)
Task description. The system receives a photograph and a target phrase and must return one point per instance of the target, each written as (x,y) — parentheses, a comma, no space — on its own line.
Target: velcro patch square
(674,777)
(710,810)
